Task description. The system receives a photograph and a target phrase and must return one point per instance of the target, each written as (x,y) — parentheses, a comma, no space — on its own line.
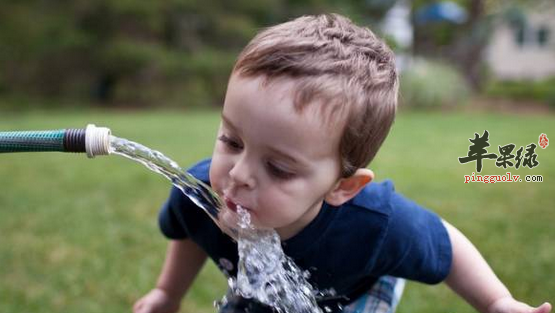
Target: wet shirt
(347,248)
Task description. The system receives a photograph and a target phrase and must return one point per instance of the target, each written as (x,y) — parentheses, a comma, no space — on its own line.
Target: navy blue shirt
(347,248)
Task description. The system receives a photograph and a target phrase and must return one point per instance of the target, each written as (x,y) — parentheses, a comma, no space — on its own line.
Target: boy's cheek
(212,176)
(217,174)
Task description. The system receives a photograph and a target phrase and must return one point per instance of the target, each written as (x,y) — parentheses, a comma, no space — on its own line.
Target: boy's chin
(230,223)
(228,219)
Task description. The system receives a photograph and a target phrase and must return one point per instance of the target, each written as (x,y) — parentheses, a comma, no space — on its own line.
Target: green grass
(80,235)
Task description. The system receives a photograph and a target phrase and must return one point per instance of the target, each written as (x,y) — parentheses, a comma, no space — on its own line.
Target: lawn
(80,235)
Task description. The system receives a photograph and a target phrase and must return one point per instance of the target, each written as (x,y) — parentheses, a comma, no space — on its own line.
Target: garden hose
(91,140)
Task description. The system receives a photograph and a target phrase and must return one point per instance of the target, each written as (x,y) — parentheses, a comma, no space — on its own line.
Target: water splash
(265,273)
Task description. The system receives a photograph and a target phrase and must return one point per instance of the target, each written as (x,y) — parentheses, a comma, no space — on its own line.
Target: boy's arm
(184,260)
(473,279)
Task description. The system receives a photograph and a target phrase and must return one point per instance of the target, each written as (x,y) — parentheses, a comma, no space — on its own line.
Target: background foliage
(179,53)
(134,53)
(429,84)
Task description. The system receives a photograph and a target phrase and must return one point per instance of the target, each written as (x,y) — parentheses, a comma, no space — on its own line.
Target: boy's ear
(346,188)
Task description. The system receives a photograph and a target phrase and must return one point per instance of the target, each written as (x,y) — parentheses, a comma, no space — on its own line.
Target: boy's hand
(156,301)
(510,305)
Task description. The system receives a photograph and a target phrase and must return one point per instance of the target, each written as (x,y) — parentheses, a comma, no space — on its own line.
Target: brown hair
(336,61)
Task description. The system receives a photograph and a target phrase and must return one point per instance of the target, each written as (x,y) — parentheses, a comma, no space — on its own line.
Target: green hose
(91,140)
(32,141)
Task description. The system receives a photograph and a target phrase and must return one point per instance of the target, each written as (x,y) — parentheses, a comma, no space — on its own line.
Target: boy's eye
(231,143)
(279,172)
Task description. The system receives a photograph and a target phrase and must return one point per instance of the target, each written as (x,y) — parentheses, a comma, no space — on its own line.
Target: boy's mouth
(232,205)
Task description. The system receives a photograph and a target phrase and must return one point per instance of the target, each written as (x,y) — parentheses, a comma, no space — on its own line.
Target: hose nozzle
(97,140)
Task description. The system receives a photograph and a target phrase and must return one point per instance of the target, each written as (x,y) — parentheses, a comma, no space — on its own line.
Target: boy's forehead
(311,102)
(267,114)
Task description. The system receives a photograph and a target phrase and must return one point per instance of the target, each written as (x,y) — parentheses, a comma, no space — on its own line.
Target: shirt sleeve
(416,245)
(178,214)
(168,220)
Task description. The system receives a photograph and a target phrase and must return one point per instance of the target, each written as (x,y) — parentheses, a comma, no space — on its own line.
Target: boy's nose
(242,174)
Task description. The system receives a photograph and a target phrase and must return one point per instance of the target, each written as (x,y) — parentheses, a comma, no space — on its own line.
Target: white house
(526,51)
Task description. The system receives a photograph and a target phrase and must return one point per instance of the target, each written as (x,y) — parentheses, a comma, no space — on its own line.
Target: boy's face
(277,163)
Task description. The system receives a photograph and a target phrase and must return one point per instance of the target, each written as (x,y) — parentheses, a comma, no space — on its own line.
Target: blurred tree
(460,43)
(136,52)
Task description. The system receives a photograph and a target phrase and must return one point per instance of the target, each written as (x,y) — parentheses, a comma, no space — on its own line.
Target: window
(520,34)
(543,36)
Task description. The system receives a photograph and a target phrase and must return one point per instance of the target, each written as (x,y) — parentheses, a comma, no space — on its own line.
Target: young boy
(308,104)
